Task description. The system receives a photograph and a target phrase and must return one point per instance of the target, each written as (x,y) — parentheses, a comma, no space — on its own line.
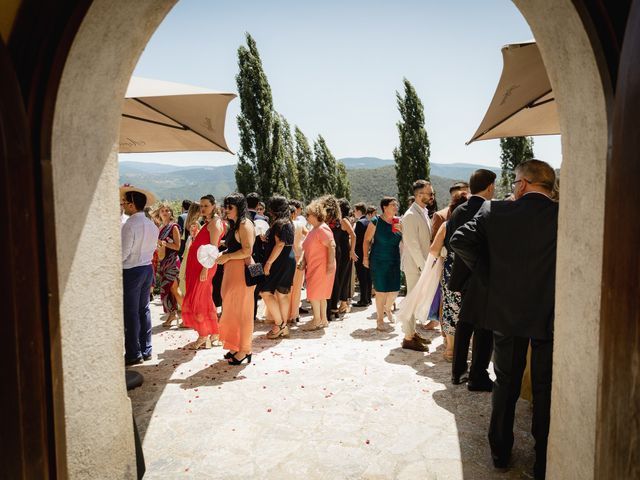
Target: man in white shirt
(416,237)
(139,241)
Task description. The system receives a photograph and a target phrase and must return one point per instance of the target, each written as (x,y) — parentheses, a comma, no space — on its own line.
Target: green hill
(368,185)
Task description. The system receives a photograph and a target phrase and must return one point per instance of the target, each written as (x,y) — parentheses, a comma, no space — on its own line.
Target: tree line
(272,160)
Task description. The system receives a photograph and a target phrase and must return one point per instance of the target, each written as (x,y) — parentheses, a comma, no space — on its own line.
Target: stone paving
(342,403)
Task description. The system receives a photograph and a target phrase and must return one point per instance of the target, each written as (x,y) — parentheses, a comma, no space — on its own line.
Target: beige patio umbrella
(163,116)
(523,103)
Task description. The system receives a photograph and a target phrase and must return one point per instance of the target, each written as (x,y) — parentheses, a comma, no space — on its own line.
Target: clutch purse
(253,274)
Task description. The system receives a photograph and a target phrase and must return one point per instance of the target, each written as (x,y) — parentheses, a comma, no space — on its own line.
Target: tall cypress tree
(513,151)
(323,177)
(276,181)
(343,186)
(292,176)
(255,165)
(412,156)
(304,162)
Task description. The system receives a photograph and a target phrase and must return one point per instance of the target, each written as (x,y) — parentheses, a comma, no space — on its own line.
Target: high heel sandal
(172,316)
(202,343)
(344,308)
(283,331)
(234,361)
(229,354)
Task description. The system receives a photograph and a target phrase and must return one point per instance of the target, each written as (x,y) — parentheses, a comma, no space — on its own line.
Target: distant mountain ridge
(370,178)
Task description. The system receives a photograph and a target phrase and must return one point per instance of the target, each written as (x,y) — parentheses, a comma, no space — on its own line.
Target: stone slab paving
(343,403)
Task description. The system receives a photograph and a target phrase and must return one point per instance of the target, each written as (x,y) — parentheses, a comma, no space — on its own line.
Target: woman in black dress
(280,265)
(345,239)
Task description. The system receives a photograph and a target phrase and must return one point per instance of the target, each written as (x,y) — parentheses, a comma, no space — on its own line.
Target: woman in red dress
(198,309)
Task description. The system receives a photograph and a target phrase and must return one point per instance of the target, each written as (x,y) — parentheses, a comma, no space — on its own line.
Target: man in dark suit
(363,273)
(482,187)
(516,240)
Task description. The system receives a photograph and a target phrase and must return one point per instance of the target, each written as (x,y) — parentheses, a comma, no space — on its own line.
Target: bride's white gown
(418,301)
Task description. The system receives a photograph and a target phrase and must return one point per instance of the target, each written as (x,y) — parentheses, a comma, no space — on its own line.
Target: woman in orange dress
(198,310)
(236,325)
(319,262)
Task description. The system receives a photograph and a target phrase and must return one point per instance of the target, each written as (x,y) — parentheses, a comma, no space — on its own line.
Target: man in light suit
(416,237)
(510,248)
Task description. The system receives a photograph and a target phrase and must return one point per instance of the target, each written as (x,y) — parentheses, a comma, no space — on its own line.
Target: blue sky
(334,67)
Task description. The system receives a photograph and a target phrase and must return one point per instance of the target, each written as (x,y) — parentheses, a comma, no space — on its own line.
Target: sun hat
(151,198)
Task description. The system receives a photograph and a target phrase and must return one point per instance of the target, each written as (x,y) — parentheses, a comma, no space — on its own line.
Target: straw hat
(151,198)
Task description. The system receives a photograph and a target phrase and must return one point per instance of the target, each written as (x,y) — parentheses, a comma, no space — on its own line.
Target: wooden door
(618,428)
(26,447)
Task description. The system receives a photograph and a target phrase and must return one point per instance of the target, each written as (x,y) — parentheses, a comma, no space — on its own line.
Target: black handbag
(253,274)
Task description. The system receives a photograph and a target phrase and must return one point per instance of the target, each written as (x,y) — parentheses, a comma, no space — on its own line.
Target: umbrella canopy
(523,103)
(162,116)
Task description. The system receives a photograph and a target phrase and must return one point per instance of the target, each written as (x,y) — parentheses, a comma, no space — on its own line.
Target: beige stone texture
(579,92)
(99,435)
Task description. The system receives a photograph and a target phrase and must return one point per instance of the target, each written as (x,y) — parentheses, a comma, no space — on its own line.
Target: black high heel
(234,361)
(228,355)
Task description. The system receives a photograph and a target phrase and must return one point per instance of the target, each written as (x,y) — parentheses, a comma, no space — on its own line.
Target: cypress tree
(343,186)
(323,177)
(513,151)
(255,121)
(412,156)
(304,162)
(291,169)
(276,180)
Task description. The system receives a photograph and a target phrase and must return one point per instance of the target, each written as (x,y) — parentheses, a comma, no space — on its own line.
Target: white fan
(207,255)
(261,227)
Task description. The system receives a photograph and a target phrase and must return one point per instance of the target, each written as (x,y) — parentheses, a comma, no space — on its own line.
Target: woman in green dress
(381,252)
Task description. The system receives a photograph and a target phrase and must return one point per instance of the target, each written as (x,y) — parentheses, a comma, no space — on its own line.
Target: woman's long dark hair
(240,202)
(278,209)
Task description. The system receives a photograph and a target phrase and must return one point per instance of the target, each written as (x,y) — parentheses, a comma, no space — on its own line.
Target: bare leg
(284,301)
(274,309)
(323,313)
(390,298)
(380,303)
(318,312)
(176,292)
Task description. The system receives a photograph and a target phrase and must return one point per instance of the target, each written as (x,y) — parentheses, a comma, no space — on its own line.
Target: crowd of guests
(494,290)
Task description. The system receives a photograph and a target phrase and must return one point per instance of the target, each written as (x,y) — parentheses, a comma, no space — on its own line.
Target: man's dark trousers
(364,280)
(509,361)
(136,284)
(480,352)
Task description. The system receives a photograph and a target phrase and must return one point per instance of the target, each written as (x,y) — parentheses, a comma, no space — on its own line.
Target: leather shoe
(421,339)
(134,361)
(361,304)
(414,344)
(485,385)
(459,379)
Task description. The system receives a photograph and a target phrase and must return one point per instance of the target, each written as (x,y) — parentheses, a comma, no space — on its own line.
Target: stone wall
(579,92)
(99,435)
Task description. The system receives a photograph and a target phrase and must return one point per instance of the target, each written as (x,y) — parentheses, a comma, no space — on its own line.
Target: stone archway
(85,178)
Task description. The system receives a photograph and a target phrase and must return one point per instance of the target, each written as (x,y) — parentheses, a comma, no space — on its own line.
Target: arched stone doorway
(84,178)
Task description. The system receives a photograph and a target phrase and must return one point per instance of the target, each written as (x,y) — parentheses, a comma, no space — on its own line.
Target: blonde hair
(166,205)
(317,209)
(193,214)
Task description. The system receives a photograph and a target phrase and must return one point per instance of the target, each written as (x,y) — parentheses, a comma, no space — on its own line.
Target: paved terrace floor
(341,403)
